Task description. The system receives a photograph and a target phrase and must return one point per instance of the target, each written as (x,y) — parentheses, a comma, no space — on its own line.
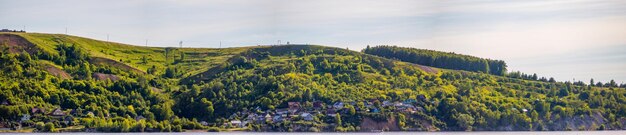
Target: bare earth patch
(57,72)
(102,77)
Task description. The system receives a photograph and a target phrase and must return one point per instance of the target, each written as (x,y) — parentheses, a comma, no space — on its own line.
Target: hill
(111,87)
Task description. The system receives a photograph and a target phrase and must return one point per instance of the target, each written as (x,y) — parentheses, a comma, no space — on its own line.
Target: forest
(60,83)
(439,59)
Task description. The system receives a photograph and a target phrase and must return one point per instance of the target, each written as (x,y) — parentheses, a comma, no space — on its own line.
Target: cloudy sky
(565,39)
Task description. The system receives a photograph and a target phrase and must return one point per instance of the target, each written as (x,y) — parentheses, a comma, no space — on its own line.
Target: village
(317,110)
(295,111)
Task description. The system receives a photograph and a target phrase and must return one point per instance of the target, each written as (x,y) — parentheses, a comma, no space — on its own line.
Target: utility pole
(65,30)
(146,42)
(220,44)
(107,37)
(180,44)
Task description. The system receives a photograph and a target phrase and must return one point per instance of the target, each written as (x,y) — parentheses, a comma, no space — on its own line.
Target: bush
(39,126)
(314,129)
(49,127)
(213,129)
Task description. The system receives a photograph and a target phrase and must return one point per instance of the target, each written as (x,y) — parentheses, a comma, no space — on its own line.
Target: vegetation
(439,59)
(110,87)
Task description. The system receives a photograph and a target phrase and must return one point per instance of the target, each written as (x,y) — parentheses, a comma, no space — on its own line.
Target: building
(338,105)
(282,111)
(307,116)
(233,116)
(138,118)
(318,105)
(331,112)
(387,103)
(37,111)
(277,118)
(237,123)
(5,102)
(57,112)
(293,106)
(375,110)
(25,117)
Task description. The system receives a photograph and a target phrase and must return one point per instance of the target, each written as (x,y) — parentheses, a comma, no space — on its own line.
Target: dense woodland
(463,93)
(439,59)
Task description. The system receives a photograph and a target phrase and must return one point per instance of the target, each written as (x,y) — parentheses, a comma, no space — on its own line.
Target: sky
(564,39)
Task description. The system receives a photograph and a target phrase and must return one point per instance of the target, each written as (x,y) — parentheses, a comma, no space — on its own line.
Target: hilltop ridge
(91,85)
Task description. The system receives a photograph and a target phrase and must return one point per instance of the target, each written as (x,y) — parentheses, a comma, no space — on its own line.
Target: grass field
(196,60)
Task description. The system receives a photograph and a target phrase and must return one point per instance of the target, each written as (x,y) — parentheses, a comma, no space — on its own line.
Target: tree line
(439,59)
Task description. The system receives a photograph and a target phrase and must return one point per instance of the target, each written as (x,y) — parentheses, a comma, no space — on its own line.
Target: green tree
(465,121)
(338,120)
(49,127)
(401,121)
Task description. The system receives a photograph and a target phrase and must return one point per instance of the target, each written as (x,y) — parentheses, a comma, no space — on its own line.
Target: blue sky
(565,39)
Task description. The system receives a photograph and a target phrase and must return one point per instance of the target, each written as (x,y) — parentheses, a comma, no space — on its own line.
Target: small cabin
(57,112)
(293,106)
(338,105)
(307,116)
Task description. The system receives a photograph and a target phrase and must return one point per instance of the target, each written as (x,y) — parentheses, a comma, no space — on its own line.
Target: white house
(25,117)
(307,116)
(277,118)
(237,123)
(338,105)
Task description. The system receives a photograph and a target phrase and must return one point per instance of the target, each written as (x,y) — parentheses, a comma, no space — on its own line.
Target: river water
(333,133)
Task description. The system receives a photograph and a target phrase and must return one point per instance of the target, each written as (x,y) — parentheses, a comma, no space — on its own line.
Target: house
(318,105)
(138,118)
(331,112)
(233,116)
(237,123)
(420,109)
(277,118)
(74,112)
(282,111)
(375,110)
(268,117)
(68,119)
(387,103)
(25,117)
(338,105)
(410,101)
(421,97)
(252,116)
(293,106)
(307,116)
(5,102)
(57,112)
(37,111)
(398,104)
(409,110)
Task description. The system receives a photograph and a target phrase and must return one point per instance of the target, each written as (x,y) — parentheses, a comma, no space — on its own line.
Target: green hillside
(112,87)
(196,59)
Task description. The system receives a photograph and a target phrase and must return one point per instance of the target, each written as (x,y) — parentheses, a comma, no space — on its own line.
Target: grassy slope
(196,59)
